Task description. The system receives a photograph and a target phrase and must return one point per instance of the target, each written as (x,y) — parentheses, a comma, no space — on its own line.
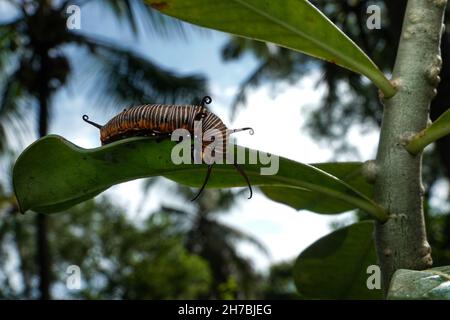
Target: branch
(440,128)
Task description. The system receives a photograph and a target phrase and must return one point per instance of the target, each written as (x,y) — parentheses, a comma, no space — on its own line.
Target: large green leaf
(349,172)
(53,174)
(432,284)
(438,129)
(294,24)
(335,266)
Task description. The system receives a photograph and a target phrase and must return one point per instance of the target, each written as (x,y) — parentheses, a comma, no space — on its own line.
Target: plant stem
(401,241)
(43,258)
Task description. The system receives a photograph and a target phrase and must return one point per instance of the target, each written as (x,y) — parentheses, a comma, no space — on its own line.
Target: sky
(278,121)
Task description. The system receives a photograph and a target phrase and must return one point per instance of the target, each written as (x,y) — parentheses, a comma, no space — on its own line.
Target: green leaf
(349,172)
(431,284)
(439,129)
(294,24)
(335,266)
(53,174)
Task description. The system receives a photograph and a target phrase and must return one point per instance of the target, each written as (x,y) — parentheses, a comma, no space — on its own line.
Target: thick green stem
(401,241)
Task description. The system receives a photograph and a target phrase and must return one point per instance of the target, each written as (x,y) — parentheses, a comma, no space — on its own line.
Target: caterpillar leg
(192,154)
(208,174)
(242,173)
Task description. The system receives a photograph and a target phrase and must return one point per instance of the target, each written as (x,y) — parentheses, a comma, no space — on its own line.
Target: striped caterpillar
(156,120)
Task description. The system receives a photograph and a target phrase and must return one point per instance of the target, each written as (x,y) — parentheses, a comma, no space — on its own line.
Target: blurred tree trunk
(43,252)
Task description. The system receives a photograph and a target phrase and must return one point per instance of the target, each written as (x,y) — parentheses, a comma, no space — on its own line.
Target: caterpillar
(157,120)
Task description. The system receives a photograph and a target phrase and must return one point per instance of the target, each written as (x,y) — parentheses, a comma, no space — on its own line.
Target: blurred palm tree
(118,257)
(280,284)
(216,242)
(34,66)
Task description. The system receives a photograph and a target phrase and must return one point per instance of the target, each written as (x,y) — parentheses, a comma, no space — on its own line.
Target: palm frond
(225,200)
(12,115)
(124,77)
(242,265)
(235,235)
(146,188)
(252,81)
(8,43)
(174,211)
(136,12)
(225,259)
(13,124)
(276,64)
